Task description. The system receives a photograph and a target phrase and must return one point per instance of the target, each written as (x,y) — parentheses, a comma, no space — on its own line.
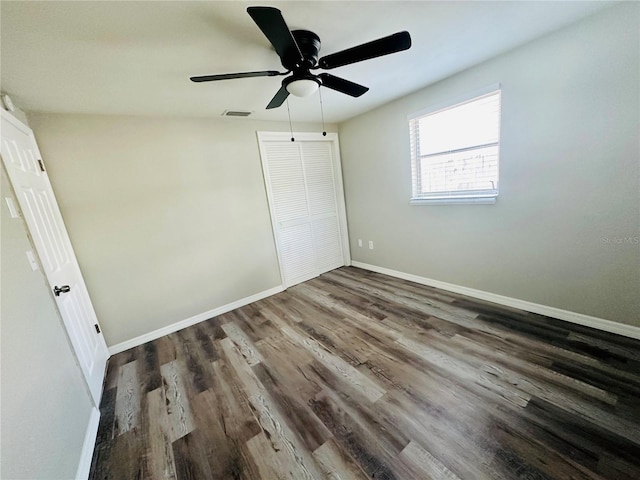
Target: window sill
(454,201)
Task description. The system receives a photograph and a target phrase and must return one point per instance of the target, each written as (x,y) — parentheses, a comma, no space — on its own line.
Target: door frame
(332,138)
(93,388)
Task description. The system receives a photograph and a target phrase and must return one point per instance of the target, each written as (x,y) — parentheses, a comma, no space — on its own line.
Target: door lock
(63,289)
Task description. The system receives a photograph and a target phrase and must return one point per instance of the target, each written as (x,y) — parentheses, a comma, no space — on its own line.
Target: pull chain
(324,132)
(290,127)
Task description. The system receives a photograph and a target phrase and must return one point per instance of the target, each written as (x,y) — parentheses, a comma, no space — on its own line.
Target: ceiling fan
(298,51)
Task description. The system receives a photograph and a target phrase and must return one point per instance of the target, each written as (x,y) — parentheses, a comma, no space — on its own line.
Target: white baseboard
(579,318)
(174,327)
(84,465)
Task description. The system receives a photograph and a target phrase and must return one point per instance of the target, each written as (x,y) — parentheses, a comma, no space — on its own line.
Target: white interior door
(26,172)
(304,187)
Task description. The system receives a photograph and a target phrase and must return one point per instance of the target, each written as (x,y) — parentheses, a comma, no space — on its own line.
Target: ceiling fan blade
(279,98)
(272,24)
(229,76)
(342,85)
(377,48)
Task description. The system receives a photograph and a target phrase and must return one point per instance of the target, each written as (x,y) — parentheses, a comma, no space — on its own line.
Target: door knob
(63,289)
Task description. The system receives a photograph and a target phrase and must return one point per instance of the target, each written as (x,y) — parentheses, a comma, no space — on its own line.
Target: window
(455,151)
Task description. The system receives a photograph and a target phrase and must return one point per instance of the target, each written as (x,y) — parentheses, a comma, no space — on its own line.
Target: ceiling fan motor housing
(309,44)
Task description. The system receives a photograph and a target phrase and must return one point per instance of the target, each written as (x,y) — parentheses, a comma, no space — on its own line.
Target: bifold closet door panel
(301,186)
(320,182)
(290,207)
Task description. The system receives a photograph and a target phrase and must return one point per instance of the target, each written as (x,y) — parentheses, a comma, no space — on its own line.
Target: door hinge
(97,328)
(41,165)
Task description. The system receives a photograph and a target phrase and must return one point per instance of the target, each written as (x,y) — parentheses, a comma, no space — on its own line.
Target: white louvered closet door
(323,207)
(305,206)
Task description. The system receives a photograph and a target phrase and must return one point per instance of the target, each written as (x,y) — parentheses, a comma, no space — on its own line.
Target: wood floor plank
(271,418)
(243,343)
(112,373)
(205,334)
(490,381)
(195,361)
(128,398)
(356,375)
(234,410)
(298,414)
(254,323)
(127,458)
(178,408)
(532,385)
(397,284)
(579,434)
(150,377)
(415,462)
(288,358)
(165,348)
(224,456)
(270,462)
(426,306)
(190,457)
(161,462)
(372,456)
(336,463)
(352,377)
(538,459)
(463,445)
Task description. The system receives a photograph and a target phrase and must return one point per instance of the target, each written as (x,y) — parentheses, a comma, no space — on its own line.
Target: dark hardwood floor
(357,375)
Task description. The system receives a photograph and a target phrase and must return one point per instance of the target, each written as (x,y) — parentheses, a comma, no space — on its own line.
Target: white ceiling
(136,57)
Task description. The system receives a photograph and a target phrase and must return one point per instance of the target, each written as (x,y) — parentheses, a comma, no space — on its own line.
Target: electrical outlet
(359,242)
(370,244)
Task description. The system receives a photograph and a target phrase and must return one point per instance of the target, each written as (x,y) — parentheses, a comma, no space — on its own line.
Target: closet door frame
(332,139)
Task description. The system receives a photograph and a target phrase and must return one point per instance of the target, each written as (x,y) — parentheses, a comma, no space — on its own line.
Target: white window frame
(418,197)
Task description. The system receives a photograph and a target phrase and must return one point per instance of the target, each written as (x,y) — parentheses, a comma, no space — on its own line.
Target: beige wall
(565,229)
(168,217)
(45,406)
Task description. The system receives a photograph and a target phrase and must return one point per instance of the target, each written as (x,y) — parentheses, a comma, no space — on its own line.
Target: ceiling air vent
(236,113)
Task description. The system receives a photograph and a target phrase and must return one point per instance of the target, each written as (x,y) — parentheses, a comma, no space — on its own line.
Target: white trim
(84,465)
(453,201)
(174,327)
(573,317)
(455,101)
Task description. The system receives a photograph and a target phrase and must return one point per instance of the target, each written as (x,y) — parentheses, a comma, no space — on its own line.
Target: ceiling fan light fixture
(302,87)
